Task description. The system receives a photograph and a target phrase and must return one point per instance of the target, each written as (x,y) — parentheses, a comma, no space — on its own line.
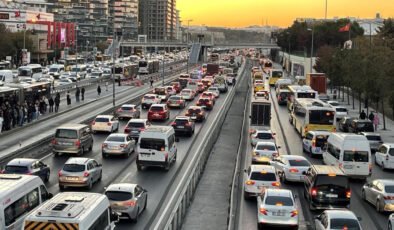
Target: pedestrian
(21,115)
(37,108)
(83,93)
(376,121)
(98,90)
(151,82)
(68,98)
(1,120)
(363,115)
(57,102)
(51,102)
(77,93)
(371,116)
(106,86)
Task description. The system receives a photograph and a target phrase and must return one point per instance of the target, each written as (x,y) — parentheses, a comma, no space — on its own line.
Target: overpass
(172,44)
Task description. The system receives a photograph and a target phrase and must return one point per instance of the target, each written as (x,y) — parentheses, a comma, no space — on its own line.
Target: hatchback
(177,86)
(128,111)
(149,99)
(158,112)
(207,94)
(215,91)
(291,167)
(206,103)
(183,125)
(80,172)
(28,166)
(176,102)
(162,93)
(106,123)
(118,144)
(258,178)
(135,126)
(261,135)
(171,91)
(196,113)
(384,156)
(337,219)
(265,148)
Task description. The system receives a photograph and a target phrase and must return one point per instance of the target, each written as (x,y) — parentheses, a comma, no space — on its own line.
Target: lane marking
(125,177)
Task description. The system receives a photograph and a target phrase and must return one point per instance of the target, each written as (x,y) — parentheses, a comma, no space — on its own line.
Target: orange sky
(240,13)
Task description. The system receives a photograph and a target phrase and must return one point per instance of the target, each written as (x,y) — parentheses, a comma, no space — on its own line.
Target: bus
(30,71)
(70,61)
(297,91)
(310,114)
(275,74)
(125,71)
(148,67)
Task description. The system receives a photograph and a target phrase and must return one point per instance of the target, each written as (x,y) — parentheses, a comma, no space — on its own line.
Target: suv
(135,126)
(206,103)
(358,126)
(374,139)
(326,187)
(158,112)
(183,124)
(149,99)
(72,138)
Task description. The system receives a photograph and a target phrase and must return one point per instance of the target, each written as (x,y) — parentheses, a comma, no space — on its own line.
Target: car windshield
(321,117)
(116,139)
(374,138)
(152,143)
(265,147)
(95,74)
(73,168)
(264,136)
(191,111)
(53,70)
(355,156)
(279,200)
(118,195)
(349,224)
(66,133)
(341,181)
(175,98)
(16,169)
(136,125)
(299,163)
(343,110)
(127,108)
(334,103)
(389,188)
(263,176)
(101,119)
(306,95)
(156,108)
(181,121)
(149,97)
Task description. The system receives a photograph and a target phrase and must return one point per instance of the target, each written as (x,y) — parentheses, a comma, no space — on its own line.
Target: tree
(101,46)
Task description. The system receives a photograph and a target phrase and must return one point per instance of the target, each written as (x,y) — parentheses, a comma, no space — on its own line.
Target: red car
(176,85)
(196,113)
(206,103)
(210,95)
(158,112)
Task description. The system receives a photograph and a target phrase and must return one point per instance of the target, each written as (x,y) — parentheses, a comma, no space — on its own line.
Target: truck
(260,112)
(317,81)
(212,69)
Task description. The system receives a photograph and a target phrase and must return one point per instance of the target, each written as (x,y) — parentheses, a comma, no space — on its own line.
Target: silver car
(118,144)
(374,139)
(128,111)
(291,167)
(337,219)
(379,193)
(80,172)
(261,135)
(128,199)
(277,207)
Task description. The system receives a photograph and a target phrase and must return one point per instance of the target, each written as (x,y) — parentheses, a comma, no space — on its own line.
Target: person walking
(77,93)
(57,102)
(363,115)
(98,90)
(83,93)
(68,98)
(21,115)
(371,116)
(51,102)
(376,121)
(151,82)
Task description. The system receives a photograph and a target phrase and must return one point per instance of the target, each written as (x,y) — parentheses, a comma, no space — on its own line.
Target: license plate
(194,117)
(65,143)
(134,131)
(332,195)
(348,166)
(72,178)
(113,147)
(279,213)
(180,127)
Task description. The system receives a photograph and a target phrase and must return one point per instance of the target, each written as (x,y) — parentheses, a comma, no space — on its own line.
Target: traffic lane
(370,219)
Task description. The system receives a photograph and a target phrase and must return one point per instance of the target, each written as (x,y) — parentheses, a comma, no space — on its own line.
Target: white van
(7,76)
(156,147)
(56,70)
(80,69)
(73,210)
(30,71)
(19,194)
(350,152)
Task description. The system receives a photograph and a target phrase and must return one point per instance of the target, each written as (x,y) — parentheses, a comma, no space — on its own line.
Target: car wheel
(167,167)
(91,147)
(61,187)
(104,155)
(127,154)
(47,175)
(389,227)
(139,167)
(56,154)
(146,202)
(363,195)
(310,151)
(283,178)
(135,220)
(101,176)
(246,195)
(90,185)
(81,152)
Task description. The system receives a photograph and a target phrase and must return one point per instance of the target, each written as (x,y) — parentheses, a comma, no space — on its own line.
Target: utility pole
(313,30)
(113,67)
(326,11)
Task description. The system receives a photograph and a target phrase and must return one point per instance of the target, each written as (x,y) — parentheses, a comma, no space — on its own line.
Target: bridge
(176,44)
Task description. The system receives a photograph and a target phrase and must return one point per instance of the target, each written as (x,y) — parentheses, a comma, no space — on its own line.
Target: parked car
(118,144)
(128,111)
(28,166)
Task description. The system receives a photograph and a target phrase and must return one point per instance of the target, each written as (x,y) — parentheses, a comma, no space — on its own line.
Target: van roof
(69,205)
(10,182)
(72,126)
(348,136)
(327,169)
(157,128)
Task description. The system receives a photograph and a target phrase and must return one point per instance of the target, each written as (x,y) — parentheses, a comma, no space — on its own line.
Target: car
(171,90)
(214,90)
(333,103)
(210,95)
(135,126)
(187,94)
(261,160)
(128,111)
(63,81)
(130,200)
(64,75)
(345,123)
(230,77)
(258,87)
(390,222)
(337,219)
(74,77)
(358,126)
(262,94)
(266,148)
(107,72)
(326,187)
(380,193)
(314,142)
(277,207)
(80,172)
(384,156)
(196,113)
(158,112)
(94,75)
(183,125)
(374,139)
(206,103)
(340,111)
(162,93)
(207,82)
(200,87)
(291,167)
(118,144)
(28,166)
(176,101)
(149,99)
(282,96)
(177,86)
(258,178)
(261,135)
(105,123)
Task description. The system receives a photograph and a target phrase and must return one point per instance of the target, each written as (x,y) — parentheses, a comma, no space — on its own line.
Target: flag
(345,28)
(17,14)
(38,16)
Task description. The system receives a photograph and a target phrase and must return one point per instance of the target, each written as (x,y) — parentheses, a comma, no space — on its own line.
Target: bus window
(321,117)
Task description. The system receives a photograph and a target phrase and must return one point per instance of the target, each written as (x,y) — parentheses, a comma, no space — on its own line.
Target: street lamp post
(113,68)
(313,30)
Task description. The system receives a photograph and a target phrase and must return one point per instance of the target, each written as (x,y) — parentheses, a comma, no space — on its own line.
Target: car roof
(175,96)
(195,107)
(128,105)
(264,131)
(22,161)
(105,116)
(141,120)
(385,181)
(259,168)
(72,126)
(278,192)
(327,169)
(293,157)
(150,95)
(122,187)
(77,160)
(340,214)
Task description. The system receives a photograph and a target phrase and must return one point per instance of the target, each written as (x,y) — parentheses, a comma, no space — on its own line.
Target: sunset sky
(240,13)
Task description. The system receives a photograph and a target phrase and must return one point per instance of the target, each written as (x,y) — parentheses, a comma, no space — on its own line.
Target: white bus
(312,114)
(297,91)
(19,194)
(30,71)
(73,210)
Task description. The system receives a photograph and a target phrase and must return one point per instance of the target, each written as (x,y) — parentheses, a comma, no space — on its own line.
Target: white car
(277,207)
(258,178)
(314,142)
(64,81)
(171,91)
(379,193)
(187,94)
(384,156)
(215,91)
(266,148)
(291,167)
(390,223)
(150,99)
(106,123)
(340,112)
(261,135)
(337,219)
(118,144)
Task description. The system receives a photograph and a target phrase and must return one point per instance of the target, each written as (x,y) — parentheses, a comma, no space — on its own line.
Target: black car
(345,123)
(183,125)
(326,187)
(358,126)
(28,166)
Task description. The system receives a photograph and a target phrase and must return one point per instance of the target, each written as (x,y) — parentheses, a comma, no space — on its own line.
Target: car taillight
(313,143)
(129,203)
(294,213)
(388,197)
(77,143)
(275,184)
(59,173)
(54,141)
(250,182)
(127,130)
(104,145)
(293,170)
(86,174)
(122,145)
(179,101)
(263,211)
(109,124)
(313,192)
(348,194)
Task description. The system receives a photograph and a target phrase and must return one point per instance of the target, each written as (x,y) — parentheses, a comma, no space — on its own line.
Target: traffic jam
(311,186)
(146,130)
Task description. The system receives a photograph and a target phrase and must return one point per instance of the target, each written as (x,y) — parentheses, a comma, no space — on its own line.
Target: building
(158,19)
(124,17)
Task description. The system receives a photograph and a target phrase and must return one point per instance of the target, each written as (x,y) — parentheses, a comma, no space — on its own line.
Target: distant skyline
(282,13)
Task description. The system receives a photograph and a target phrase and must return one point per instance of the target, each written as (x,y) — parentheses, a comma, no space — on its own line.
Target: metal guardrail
(172,216)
